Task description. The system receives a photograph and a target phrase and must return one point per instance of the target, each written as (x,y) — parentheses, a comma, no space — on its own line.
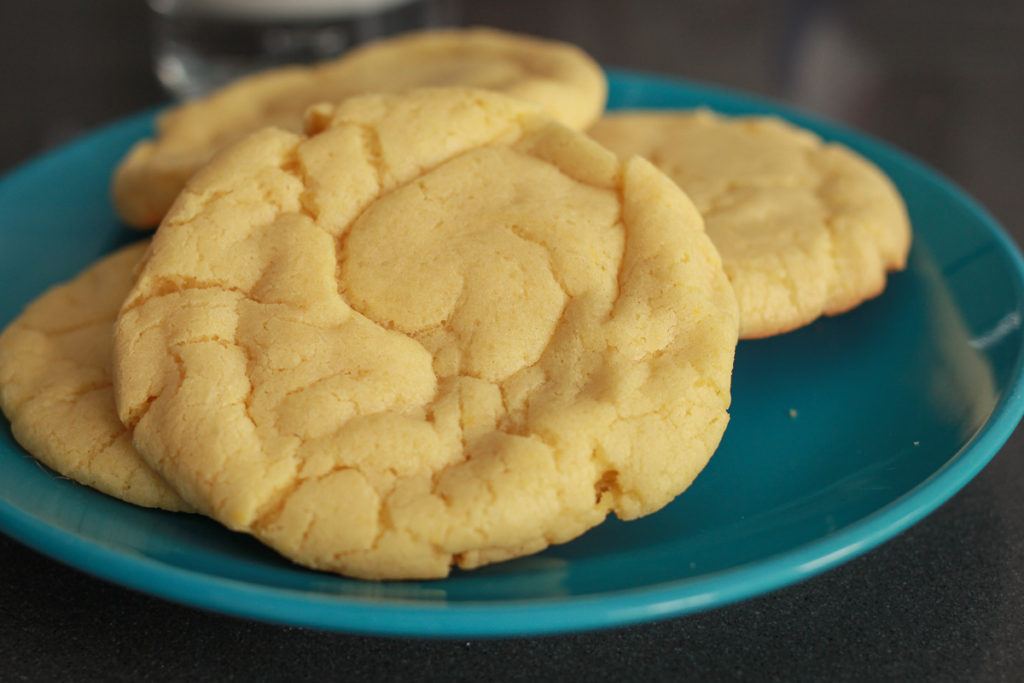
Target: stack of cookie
(401,313)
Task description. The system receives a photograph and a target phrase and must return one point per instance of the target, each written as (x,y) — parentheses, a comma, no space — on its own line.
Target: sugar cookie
(438,329)
(56,386)
(559,76)
(804,228)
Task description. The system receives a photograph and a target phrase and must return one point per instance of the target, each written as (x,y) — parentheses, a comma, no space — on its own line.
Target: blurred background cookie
(560,77)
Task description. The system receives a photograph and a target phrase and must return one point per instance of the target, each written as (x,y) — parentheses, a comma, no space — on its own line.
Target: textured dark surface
(942,601)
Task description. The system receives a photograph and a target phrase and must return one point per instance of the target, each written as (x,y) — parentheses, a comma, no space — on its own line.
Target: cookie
(804,228)
(439,329)
(56,386)
(559,76)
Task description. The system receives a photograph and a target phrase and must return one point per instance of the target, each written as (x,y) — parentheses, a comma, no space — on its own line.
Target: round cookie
(804,228)
(439,329)
(559,76)
(56,386)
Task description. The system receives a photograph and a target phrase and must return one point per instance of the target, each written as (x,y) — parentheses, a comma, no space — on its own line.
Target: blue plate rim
(560,614)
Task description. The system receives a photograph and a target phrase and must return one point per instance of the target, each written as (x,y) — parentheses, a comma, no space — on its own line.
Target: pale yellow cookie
(55,385)
(561,77)
(441,329)
(804,228)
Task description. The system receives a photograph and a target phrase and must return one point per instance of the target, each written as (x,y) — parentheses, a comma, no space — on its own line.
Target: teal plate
(842,434)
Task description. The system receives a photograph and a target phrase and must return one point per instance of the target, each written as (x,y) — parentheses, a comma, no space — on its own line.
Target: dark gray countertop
(942,601)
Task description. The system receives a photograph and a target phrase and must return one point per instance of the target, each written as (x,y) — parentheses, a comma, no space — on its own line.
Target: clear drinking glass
(199,45)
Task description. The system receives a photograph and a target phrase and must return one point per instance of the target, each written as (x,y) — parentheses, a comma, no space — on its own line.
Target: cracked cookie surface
(56,385)
(804,228)
(437,329)
(560,77)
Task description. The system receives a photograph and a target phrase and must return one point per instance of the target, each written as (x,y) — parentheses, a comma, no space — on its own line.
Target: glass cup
(199,45)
